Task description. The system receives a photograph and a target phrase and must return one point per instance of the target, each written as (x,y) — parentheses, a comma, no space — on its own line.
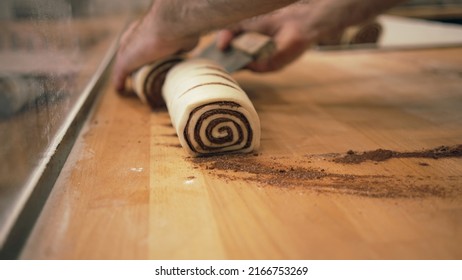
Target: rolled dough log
(208,109)
(147,82)
(366,33)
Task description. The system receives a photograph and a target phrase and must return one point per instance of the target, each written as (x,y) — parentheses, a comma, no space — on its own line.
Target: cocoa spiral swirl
(218,127)
(209,111)
(368,33)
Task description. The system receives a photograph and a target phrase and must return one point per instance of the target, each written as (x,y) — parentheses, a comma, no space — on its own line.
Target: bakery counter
(360,158)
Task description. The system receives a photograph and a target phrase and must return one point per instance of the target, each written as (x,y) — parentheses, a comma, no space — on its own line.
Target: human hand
(146,40)
(296,27)
(285,26)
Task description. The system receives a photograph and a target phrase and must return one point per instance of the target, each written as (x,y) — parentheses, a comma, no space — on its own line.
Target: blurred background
(440,10)
(49,52)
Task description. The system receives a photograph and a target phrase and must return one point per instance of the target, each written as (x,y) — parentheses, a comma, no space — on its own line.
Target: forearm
(331,15)
(195,17)
(175,26)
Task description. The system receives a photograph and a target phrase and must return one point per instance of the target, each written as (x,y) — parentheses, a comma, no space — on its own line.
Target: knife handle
(257,45)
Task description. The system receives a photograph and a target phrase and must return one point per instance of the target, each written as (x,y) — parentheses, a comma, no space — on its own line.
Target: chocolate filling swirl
(225,127)
(209,111)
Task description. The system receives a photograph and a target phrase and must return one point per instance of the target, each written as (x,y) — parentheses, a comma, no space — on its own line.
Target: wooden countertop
(128,191)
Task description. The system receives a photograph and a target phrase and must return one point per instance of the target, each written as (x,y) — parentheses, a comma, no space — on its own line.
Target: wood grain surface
(129,191)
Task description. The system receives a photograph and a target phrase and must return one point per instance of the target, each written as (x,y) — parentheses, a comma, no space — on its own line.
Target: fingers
(141,45)
(130,55)
(224,38)
(290,45)
(284,27)
(120,70)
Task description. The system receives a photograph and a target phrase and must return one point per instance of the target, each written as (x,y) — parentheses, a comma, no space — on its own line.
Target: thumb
(225,36)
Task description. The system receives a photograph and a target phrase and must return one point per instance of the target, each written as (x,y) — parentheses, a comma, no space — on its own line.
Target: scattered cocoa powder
(378,155)
(167,125)
(169,135)
(173,145)
(248,164)
(283,172)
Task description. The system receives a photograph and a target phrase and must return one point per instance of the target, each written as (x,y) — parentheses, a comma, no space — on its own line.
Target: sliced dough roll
(148,81)
(208,109)
(367,33)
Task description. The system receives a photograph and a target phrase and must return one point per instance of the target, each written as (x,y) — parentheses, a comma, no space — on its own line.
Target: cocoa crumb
(377,155)
(167,125)
(284,173)
(169,145)
(170,135)
(383,155)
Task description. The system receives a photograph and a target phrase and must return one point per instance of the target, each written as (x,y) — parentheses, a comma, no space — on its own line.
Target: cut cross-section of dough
(209,110)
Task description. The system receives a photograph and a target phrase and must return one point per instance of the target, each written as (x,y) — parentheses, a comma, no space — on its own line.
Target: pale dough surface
(206,103)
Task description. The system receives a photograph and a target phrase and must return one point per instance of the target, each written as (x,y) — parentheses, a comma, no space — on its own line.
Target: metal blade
(231,59)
